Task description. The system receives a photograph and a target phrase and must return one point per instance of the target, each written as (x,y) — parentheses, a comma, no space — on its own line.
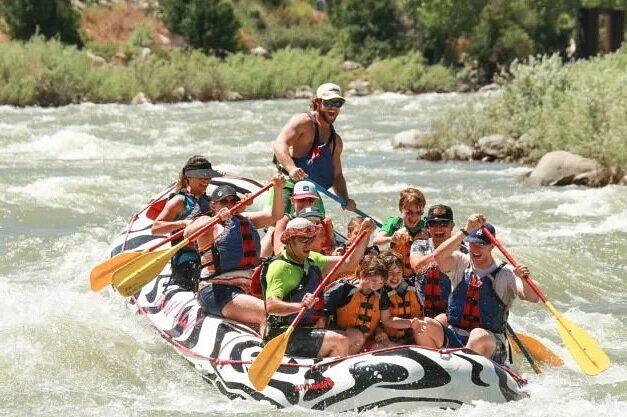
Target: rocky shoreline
(557,168)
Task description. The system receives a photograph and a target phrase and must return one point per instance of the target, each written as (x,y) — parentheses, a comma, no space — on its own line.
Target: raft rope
(135,215)
(224,362)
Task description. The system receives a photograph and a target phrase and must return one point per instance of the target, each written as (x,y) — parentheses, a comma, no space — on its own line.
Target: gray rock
(599,177)
(490,87)
(300,92)
(140,98)
(95,59)
(358,88)
(230,95)
(260,51)
(144,53)
(560,168)
(497,147)
(348,66)
(413,139)
(179,93)
(430,154)
(459,152)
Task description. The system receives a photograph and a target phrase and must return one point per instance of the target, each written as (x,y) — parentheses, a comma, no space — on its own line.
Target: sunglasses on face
(438,223)
(333,103)
(229,201)
(304,239)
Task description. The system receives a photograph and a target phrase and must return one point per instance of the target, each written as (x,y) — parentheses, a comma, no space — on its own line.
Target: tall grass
(48,73)
(579,107)
(408,73)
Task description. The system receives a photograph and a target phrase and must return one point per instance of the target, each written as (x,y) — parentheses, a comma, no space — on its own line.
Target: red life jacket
(434,301)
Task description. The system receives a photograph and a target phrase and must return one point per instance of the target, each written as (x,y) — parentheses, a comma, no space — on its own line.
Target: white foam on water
(610,224)
(499,170)
(385,187)
(60,192)
(68,144)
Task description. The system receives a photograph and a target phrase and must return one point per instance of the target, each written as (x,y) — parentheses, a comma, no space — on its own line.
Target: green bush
(321,38)
(407,72)
(578,107)
(287,69)
(48,73)
(209,25)
(49,18)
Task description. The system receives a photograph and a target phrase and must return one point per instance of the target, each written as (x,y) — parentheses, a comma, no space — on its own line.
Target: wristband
(464,231)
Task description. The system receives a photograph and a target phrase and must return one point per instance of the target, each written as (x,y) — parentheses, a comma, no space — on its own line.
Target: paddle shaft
(524,350)
(233,210)
(512,261)
(201,231)
(322,284)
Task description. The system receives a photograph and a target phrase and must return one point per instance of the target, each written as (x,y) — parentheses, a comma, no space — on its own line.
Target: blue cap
(477,236)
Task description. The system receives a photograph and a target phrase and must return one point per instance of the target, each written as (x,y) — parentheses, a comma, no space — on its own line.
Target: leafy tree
(515,29)
(444,25)
(49,18)
(209,25)
(369,29)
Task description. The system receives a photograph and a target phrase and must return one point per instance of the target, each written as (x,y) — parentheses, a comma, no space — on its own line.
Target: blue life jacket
(318,162)
(474,303)
(237,248)
(192,207)
(186,262)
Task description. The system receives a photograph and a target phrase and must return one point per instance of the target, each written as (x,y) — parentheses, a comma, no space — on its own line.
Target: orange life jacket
(404,303)
(361,312)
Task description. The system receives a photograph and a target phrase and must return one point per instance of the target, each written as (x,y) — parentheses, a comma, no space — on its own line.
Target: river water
(70,178)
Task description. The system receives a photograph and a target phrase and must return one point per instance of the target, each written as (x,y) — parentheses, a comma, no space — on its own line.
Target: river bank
(48,73)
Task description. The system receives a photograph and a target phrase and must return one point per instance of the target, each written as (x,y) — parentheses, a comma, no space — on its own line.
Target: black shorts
(305,342)
(214,297)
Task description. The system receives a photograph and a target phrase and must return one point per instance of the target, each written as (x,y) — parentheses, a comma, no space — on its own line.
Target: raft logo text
(326,383)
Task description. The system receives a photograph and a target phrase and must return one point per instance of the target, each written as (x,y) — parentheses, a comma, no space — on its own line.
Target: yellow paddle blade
(102,273)
(129,278)
(269,360)
(538,350)
(586,352)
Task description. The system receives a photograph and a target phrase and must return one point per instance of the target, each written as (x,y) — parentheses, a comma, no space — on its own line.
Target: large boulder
(348,66)
(561,168)
(412,139)
(358,88)
(459,152)
(497,147)
(430,154)
(300,92)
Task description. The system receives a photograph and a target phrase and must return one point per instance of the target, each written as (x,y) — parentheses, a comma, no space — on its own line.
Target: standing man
(309,146)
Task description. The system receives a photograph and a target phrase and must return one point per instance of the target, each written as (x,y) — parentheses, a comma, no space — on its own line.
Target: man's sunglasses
(229,201)
(333,103)
(436,223)
(304,239)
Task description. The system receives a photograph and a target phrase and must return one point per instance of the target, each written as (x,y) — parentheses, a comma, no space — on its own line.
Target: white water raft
(221,351)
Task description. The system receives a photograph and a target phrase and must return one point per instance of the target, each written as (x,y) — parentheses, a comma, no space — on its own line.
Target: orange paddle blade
(538,350)
(269,360)
(102,273)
